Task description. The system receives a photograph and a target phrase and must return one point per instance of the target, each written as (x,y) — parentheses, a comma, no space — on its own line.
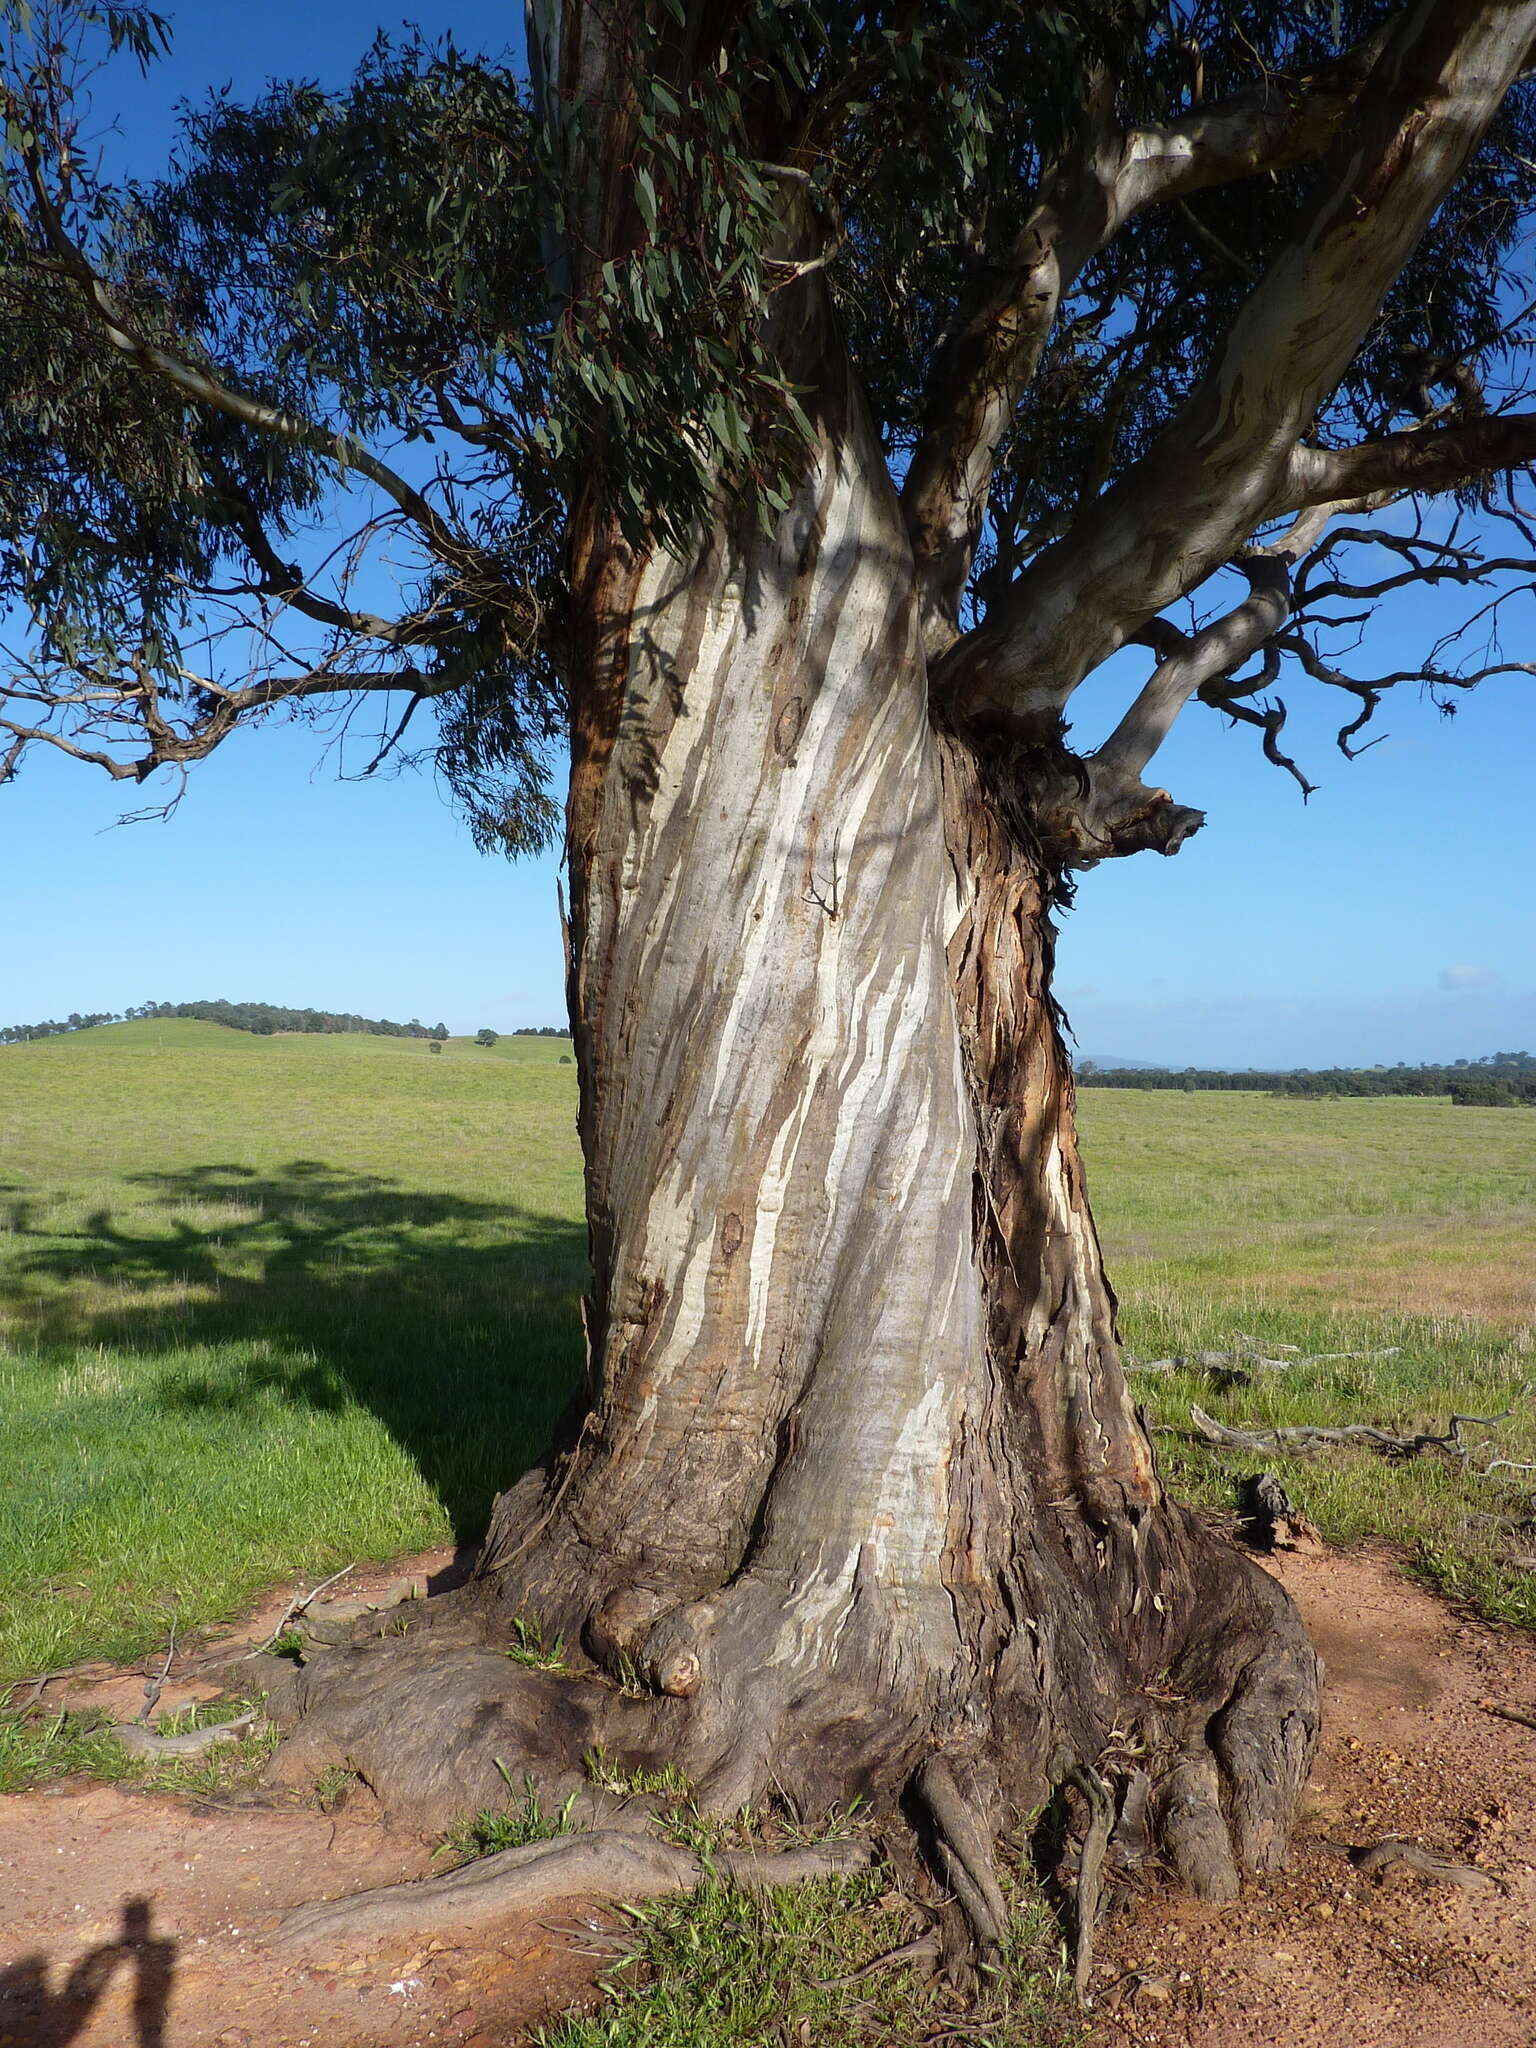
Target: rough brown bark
(855,1482)
(853,1499)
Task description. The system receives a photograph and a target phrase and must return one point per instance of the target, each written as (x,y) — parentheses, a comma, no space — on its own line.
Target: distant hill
(262,1018)
(1114,1063)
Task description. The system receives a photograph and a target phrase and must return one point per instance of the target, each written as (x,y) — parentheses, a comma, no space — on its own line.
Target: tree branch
(1216,650)
(1421,460)
(1083,203)
(1223,466)
(203,388)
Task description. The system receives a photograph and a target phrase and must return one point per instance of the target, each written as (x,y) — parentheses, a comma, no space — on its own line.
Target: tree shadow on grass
(454,1320)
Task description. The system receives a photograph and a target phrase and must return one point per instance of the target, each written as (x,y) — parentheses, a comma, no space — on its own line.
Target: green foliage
(262,1018)
(417,269)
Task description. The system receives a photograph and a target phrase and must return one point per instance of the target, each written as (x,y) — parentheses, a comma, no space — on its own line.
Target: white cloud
(1467,976)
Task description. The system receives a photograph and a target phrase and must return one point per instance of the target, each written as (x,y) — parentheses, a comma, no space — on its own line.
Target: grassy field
(267,1305)
(272,1305)
(1349,1225)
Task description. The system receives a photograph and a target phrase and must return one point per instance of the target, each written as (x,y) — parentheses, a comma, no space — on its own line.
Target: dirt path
(133,1921)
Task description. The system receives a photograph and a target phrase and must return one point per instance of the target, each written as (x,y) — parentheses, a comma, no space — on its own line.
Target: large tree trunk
(854,1481)
(853,1500)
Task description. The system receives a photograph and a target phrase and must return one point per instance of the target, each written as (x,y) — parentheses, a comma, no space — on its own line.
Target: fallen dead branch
(606,1863)
(1508,1713)
(1374,1858)
(141,1741)
(1299,1438)
(1242,1364)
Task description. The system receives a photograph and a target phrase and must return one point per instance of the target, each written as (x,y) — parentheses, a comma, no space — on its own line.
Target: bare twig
(153,1686)
(295,1608)
(923,1946)
(1508,1713)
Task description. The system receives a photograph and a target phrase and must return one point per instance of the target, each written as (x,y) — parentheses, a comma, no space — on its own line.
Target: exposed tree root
(1090,1868)
(963,1850)
(608,1863)
(1194,1830)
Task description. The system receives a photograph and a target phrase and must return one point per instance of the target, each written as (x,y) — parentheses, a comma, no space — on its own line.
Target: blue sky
(1390,918)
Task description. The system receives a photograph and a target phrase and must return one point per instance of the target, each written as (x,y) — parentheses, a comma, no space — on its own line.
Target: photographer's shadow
(33,2015)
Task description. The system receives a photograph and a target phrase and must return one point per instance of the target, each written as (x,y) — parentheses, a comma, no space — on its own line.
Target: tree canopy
(299,423)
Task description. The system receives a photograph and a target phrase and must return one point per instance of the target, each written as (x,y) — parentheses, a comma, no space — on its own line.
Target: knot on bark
(1109,820)
(618,1623)
(671,1660)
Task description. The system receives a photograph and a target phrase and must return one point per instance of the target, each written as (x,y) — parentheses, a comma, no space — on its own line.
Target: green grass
(727,1966)
(272,1305)
(36,1749)
(1346,1225)
(267,1306)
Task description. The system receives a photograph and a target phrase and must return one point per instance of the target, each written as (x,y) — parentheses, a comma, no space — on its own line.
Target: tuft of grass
(492,1830)
(38,1749)
(333,1787)
(529,1647)
(728,1965)
(667,1779)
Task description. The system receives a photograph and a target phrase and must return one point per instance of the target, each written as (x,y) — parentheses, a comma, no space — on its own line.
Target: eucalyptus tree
(784,407)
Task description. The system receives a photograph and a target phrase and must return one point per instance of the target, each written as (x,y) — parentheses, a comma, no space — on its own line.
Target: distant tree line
(542,1031)
(54,1027)
(262,1018)
(1499,1080)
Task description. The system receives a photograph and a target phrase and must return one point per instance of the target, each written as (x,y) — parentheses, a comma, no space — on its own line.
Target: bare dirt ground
(134,1921)
(129,1920)
(1323,1957)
